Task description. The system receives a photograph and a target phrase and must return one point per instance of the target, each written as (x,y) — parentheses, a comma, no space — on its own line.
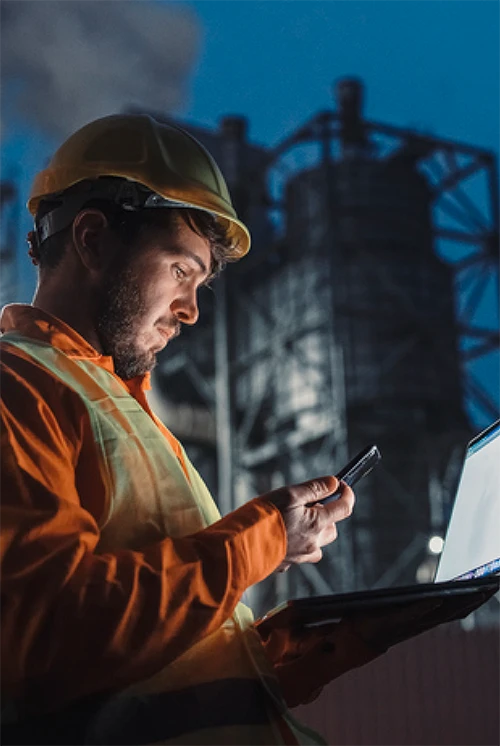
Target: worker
(122,620)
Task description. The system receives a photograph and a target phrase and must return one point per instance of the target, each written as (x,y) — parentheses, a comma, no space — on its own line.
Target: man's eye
(179,273)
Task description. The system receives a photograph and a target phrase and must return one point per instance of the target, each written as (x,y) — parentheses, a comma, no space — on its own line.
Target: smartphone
(356,469)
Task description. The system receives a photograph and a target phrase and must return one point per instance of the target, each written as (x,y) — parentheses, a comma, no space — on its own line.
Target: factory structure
(342,329)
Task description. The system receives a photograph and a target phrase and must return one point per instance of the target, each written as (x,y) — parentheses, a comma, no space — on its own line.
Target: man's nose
(185,308)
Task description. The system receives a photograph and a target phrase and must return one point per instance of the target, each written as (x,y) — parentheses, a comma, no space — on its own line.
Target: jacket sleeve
(75,622)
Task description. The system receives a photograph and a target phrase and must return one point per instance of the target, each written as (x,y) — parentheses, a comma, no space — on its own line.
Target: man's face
(142,302)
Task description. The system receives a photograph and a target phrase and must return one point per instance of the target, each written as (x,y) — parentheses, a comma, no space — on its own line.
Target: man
(121,584)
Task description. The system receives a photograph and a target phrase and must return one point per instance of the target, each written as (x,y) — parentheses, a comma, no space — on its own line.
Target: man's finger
(314,490)
(341,508)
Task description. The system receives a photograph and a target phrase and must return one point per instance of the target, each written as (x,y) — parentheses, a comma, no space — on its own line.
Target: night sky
(429,64)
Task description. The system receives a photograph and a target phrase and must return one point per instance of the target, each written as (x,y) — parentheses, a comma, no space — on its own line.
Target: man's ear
(91,239)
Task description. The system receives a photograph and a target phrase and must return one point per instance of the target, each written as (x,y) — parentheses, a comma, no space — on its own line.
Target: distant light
(436,544)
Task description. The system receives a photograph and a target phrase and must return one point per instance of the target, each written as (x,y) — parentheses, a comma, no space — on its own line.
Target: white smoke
(67,62)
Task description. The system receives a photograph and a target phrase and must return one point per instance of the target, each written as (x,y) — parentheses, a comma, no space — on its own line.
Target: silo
(368,219)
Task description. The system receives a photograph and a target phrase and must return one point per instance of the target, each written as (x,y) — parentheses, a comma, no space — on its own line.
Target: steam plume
(70,61)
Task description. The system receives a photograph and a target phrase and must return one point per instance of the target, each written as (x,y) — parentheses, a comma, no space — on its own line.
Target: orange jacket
(130,612)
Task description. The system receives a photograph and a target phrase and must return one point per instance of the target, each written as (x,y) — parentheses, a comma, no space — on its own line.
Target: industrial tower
(342,328)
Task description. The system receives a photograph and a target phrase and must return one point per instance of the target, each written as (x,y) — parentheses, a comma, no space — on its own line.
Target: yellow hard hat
(167,160)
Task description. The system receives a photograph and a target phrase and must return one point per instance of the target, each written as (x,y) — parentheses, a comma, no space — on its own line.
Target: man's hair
(129,224)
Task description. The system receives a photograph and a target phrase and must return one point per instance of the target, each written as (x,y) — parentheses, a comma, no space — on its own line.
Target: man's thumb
(315,489)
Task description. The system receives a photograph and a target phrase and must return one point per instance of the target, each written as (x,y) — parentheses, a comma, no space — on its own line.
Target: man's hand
(306,660)
(310,526)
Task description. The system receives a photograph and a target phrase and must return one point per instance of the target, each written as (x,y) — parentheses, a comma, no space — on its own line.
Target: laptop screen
(472,545)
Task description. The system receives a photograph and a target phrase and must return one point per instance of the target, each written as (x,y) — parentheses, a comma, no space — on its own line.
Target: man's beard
(120,307)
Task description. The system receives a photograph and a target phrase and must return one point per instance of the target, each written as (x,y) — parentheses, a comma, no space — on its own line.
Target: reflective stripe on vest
(137,459)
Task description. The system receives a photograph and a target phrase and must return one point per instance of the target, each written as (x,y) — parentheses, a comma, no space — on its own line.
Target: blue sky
(432,64)
(428,64)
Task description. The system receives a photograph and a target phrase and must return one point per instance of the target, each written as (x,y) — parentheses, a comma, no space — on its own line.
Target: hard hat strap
(127,195)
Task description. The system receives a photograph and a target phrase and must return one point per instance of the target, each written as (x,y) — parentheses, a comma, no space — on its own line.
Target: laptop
(468,572)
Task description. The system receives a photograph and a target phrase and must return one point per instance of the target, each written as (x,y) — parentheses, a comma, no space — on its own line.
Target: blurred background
(360,142)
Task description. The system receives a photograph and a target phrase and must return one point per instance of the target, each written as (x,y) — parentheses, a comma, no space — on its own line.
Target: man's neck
(70,307)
